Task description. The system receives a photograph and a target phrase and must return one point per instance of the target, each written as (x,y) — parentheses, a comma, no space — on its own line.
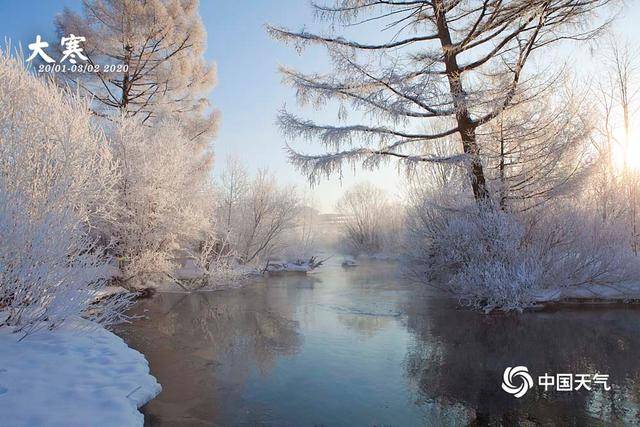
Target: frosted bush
(577,248)
(50,270)
(164,201)
(216,259)
(485,261)
(493,259)
(56,177)
(254,214)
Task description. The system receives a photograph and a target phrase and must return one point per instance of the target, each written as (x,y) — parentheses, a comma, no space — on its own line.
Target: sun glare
(627,153)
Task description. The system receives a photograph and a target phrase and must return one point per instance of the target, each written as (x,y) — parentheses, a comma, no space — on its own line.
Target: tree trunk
(501,168)
(126,81)
(466,126)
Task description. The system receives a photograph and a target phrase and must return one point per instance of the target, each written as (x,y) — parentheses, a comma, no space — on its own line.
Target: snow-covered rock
(76,375)
(287,267)
(298,266)
(347,263)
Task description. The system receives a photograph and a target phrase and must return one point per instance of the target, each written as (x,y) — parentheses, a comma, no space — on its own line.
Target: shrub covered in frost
(485,260)
(56,176)
(163,203)
(492,259)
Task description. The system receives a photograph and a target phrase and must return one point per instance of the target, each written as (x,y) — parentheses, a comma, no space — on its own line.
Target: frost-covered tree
(162,205)
(150,94)
(231,190)
(619,174)
(267,211)
(303,240)
(539,149)
(156,48)
(371,223)
(495,259)
(419,61)
(57,179)
(257,210)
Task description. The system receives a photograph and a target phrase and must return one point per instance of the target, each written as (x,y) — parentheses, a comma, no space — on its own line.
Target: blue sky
(249,92)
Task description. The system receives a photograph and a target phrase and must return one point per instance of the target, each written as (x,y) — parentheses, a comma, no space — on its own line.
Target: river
(364,347)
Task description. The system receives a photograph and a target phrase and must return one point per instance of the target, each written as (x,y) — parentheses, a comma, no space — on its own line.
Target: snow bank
(288,267)
(110,291)
(591,292)
(77,375)
(298,266)
(246,270)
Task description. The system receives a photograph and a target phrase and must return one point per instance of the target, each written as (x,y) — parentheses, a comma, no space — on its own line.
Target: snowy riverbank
(71,377)
(588,293)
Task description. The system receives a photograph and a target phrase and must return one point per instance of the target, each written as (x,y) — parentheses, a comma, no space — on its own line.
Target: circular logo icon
(517,381)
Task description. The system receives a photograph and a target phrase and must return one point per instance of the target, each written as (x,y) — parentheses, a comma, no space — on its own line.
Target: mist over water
(364,346)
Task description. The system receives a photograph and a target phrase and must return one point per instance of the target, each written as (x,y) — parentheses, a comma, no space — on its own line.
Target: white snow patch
(591,292)
(548,295)
(349,262)
(287,267)
(297,266)
(620,291)
(246,270)
(76,375)
(109,291)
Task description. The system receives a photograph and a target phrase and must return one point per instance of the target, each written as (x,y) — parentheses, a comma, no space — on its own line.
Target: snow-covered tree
(150,94)
(256,211)
(494,259)
(416,62)
(156,48)
(232,189)
(372,222)
(268,210)
(163,204)
(57,179)
(303,240)
(539,149)
(620,105)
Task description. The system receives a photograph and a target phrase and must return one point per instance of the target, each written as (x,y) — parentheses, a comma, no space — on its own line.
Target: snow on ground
(288,267)
(191,271)
(246,270)
(109,291)
(618,291)
(70,377)
(592,292)
(298,266)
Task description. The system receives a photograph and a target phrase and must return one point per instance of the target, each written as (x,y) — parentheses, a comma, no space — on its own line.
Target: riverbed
(364,346)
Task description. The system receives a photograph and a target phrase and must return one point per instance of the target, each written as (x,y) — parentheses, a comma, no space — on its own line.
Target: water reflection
(459,356)
(202,348)
(362,347)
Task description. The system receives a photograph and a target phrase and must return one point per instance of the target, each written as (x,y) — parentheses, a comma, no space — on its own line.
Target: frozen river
(362,347)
